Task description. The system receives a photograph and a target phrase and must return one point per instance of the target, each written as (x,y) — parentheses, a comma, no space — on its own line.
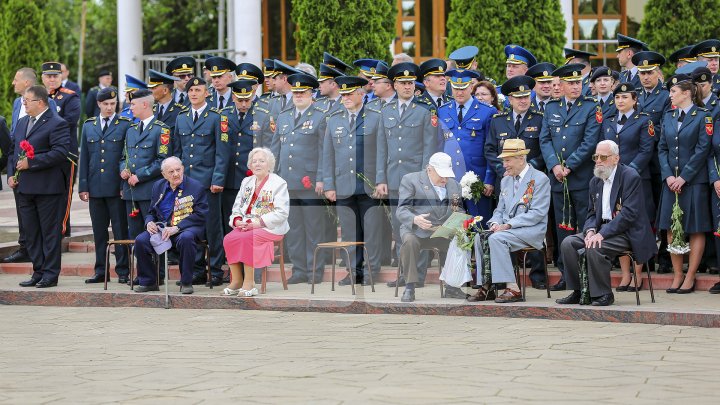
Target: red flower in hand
(306,182)
(24,145)
(134,213)
(30,154)
(249,173)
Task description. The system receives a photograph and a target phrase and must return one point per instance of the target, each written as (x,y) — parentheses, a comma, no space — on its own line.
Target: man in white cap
(426,199)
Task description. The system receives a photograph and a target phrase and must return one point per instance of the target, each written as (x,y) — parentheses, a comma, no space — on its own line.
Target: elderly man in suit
(519,221)
(40,183)
(427,199)
(616,222)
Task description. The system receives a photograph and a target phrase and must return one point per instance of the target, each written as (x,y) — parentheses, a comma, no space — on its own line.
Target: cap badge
(703,77)
(645,62)
(674,80)
(623,88)
(372,70)
(713,49)
(184,66)
(297,84)
(344,86)
(575,73)
(244,72)
(196,82)
(112,94)
(214,68)
(440,68)
(546,73)
(406,73)
(522,88)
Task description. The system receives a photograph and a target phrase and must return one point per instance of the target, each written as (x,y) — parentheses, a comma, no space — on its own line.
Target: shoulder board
(66,91)
(485,103)
(553,100)
(336,113)
(182,107)
(90,119)
(123,118)
(322,110)
(214,109)
(536,112)
(230,108)
(500,114)
(422,100)
(375,110)
(162,124)
(97,88)
(266,94)
(644,114)
(262,109)
(703,109)
(588,98)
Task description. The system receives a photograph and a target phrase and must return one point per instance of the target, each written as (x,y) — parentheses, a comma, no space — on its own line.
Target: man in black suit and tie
(616,222)
(41,183)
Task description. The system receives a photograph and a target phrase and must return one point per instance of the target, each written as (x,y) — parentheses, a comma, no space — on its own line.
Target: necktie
(542,106)
(182,98)
(30,125)
(623,120)
(439,101)
(242,117)
(141,127)
(517,123)
(161,111)
(460,113)
(365,99)
(220,103)
(297,118)
(106,122)
(282,102)
(196,117)
(569,106)
(516,184)
(352,123)
(402,109)
(602,102)
(682,116)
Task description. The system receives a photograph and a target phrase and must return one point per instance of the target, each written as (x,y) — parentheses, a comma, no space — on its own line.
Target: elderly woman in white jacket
(259,218)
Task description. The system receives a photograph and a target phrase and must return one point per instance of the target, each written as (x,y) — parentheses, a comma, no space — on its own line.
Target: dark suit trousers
(214,235)
(103,212)
(307,229)
(136,225)
(360,221)
(410,253)
(599,262)
(185,242)
(41,220)
(21,229)
(578,213)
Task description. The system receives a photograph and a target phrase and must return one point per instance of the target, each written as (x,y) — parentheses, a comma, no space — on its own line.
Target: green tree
(492,24)
(683,23)
(26,39)
(180,25)
(349,29)
(101,50)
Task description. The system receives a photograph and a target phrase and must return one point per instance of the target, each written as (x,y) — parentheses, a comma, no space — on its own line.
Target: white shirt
(607,189)
(110,119)
(147,121)
(22,112)
(441,191)
(519,178)
(515,115)
(199,112)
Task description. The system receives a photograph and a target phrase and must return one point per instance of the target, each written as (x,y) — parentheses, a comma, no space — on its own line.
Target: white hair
(168,161)
(614,148)
(307,68)
(268,154)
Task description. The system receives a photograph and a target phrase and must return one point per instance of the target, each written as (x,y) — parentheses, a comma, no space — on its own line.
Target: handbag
(456,271)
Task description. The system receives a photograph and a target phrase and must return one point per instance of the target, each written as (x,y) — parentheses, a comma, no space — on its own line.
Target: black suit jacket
(50,137)
(629,217)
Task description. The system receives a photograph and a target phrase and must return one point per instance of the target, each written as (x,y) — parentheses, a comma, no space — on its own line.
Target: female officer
(634,133)
(683,151)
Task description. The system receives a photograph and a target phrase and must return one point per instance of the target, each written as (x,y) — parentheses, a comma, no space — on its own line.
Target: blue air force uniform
(101,149)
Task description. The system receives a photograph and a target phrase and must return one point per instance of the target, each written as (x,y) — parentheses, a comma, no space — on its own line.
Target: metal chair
(130,246)
(524,252)
(281,256)
(335,246)
(630,254)
(436,254)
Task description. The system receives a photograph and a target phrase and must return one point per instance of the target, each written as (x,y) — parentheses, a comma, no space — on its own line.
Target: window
(421,29)
(278,39)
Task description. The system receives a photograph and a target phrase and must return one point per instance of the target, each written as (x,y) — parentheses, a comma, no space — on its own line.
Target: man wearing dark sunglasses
(616,222)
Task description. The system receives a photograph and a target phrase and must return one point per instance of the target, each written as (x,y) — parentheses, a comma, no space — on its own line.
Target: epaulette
(336,113)
(214,109)
(66,91)
(120,117)
(324,111)
(501,114)
(372,109)
(182,107)
(553,100)
(703,109)
(589,98)
(483,102)
(643,113)
(162,124)
(540,113)
(90,119)
(229,108)
(266,111)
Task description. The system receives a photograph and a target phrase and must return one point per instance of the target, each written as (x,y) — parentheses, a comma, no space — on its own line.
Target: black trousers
(105,211)
(214,235)
(599,262)
(136,225)
(21,229)
(361,221)
(578,213)
(40,215)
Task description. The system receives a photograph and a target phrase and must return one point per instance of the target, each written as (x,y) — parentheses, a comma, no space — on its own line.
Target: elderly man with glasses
(616,222)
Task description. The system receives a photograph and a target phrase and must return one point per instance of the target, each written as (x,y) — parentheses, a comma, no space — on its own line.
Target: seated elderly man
(519,221)
(426,200)
(178,208)
(617,222)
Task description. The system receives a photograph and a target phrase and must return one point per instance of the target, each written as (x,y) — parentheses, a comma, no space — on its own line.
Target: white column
(247,31)
(567,10)
(130,46)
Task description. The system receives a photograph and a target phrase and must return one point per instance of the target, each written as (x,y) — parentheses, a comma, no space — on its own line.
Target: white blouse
(272,204)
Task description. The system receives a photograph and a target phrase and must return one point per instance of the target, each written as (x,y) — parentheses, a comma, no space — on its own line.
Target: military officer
(432,73)
(569,134)
(268,78)
(283,99)
(682,56)
(165,109)
(68,107)
(541,73)
(146,145)
(349,157)
(627,48)
(104,80)
(578,56)
(518,61)
(702,77)
(101,149)
(183,68)
(329,90)
(132,85)
(521,122)
(604,80)
(709,51)
(204,148)
(464,124)
(222,72)
(336,63)
(465,57)
(382,87)
(297,144)
(367,71)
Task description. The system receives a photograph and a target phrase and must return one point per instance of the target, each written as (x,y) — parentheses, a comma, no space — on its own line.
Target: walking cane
(167,282)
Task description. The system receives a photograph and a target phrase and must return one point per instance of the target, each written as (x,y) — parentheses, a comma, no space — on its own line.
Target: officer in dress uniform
(627,48)
(432,72)
(541,73)
(336,63)
(101,149)
(183,68)
(68,107)
(521,122)
(464,124)
(709,51)
(165,109)
(682,56)
(268,78)
(297,143)
(258,104)
(578,56)
(604,80)
(349,157)
(464,58)
(204,148)
(104,80)
(222,72)
(329,90)
(132,85)
(383,87)
(146,145)
(568,137)
(366,70)
(518,61)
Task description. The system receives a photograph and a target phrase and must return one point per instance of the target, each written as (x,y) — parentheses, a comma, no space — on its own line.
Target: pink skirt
(254,247)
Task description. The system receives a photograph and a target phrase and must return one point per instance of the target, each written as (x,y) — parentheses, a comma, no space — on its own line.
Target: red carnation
(716,234)
(249,173)
(306,182)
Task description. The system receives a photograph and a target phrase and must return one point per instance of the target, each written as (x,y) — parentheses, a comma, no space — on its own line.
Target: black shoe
(560,286)
(98,278)
(454,292)
(408,296)
(123,279)
(46,283)
(622,288)
(347,281)
(603,300)
(297,279)
(715,289)
(399,282)
(686,290)
(216,281)
(146,288)
(539,285)
(199,279)
(573,298)
(18,256)
(713,270)
(30,283)
(394,263)
(631,286)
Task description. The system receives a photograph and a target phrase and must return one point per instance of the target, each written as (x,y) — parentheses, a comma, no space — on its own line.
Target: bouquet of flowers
(472,186)
(678,246)
(466,235)
(28,151)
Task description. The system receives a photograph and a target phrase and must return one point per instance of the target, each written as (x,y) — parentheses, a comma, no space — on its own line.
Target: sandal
(229,291)
(248,293)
